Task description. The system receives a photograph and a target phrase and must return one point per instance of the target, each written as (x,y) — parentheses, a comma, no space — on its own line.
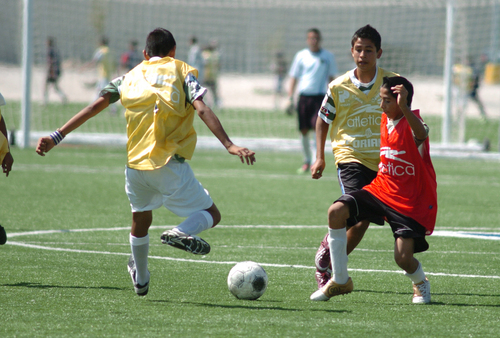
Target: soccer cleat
(3,236)
(140,290)
(304,169)
(323,263)
(422,292)
(183,241)
(322,277)
(332,289)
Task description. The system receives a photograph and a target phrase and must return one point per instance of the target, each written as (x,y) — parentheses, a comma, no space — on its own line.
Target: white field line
(42,232)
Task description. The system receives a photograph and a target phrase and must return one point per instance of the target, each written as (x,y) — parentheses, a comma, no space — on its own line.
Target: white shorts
(173,186)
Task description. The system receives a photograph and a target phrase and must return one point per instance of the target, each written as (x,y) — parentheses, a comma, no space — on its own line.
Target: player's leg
(139,244)
(3,235)
(303,116)
(61,94)
(403,254)
(340,282)
(410,238)
(142,201)
(184,195)
(351,177)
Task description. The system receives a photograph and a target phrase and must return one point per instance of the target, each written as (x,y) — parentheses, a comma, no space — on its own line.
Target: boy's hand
(243,153)
(44,145)
(402,95)
(317,169)
(7,162)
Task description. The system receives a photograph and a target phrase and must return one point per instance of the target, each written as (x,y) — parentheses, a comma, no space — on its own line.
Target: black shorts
(352,177)
(363,205)
(308,109)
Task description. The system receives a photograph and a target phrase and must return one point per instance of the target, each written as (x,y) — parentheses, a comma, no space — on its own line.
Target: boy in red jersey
(404,192)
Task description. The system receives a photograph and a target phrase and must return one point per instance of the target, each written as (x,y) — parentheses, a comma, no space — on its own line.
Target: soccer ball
(247,280)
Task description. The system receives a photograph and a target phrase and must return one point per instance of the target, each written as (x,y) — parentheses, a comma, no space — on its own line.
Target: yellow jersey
(355,129)
(159,118)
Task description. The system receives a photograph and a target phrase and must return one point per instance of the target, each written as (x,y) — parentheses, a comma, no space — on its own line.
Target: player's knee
(338,213)
(215,213)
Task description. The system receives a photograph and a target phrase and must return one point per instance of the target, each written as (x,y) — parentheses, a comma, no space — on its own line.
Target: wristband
(57,137)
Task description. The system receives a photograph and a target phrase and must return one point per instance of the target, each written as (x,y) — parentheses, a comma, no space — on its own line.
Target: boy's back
(159,114)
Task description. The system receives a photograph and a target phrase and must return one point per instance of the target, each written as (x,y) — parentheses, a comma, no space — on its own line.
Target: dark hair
(159,42)
(315,31)
(104,41)
(389,82)
(370,33)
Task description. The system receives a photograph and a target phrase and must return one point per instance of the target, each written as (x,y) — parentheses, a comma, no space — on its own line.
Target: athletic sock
(418,276)
(196,223)
(306,148)
(140,250)
(337,241)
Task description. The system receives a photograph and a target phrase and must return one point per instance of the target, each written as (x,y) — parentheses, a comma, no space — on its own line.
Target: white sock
(337,241)
(306,148)
(418,276)
(196,223)
(140,250)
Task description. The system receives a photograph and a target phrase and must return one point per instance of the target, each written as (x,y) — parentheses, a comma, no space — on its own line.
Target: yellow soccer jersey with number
(159,120)
(355,130)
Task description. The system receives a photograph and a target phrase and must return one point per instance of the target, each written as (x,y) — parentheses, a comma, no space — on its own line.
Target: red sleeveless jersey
(406,180)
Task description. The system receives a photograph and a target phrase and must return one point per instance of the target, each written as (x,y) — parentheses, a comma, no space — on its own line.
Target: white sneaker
(140,290)
(422,292)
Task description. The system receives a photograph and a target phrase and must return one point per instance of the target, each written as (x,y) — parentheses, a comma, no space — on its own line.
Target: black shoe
(189,243)
(3,236)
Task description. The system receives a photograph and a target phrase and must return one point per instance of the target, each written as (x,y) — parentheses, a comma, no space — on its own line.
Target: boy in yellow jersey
(160,96)
(6,158)
(352,108)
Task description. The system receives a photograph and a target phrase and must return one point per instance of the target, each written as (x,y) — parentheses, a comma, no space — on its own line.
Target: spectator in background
(53,71)
(312,69)
(195,57)
(211,59)
(467,79)
(279,68)
(132,57)
(105,61)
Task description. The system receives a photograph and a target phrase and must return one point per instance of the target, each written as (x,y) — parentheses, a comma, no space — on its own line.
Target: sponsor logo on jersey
(396,166)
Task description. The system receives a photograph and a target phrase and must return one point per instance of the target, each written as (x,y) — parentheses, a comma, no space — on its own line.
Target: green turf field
(64,266)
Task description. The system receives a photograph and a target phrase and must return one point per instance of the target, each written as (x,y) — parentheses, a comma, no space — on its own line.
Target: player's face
(365,54)
(313,41)
(389,104)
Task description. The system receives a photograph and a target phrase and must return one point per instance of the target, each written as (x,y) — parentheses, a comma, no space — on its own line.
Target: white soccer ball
(247,280)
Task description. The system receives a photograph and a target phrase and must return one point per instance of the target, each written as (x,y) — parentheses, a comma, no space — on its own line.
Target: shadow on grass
(44,286)
(249,307)
(437,294)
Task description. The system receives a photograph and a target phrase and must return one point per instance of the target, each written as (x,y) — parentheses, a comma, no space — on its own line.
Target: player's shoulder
(2,100)
(387,73)
(340,80)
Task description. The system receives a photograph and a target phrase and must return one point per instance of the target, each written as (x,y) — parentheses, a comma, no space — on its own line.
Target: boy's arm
(8,160)
(213,123)
(417,126)
(48,142)
(321,134)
